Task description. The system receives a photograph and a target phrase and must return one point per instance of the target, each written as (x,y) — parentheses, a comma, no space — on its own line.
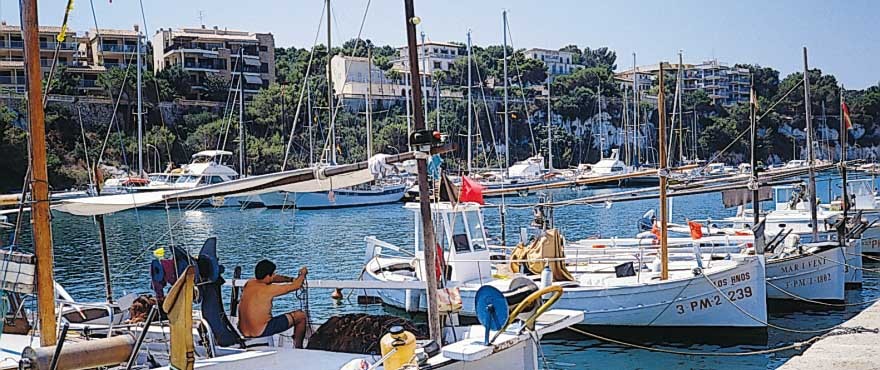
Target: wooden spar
(422,165)
(42,229)
(105,257)
(843,134)
(330,171)
(664,242)
(808,126)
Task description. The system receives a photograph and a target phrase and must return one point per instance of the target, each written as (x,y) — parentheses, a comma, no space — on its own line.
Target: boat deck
(849,351)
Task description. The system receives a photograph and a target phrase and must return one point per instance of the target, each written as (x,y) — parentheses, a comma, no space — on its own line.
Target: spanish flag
(846,118)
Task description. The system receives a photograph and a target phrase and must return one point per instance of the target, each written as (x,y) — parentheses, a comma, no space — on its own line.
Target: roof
(437,43)
(213,33)
(111,32)
(43,29)
(549,51)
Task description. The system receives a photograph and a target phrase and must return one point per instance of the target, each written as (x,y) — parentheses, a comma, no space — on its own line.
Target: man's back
(255,309)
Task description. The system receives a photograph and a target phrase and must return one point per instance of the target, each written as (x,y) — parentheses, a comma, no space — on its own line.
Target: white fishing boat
(728,293)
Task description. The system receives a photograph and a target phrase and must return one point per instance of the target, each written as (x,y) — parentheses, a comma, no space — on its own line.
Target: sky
(841,35)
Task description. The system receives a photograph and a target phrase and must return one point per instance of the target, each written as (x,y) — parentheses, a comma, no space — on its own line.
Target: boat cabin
(206,168)
(462,236)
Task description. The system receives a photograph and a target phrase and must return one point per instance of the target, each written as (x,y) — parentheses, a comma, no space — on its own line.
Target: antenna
(202,18)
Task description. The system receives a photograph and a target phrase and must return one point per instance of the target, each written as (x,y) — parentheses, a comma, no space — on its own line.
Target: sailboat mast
(140,108)
(241,131)
(756,201)
(661,107)
(311,123)
(810,155)
(843,138)
(679,92)
(369,103)
(424,77)
(330,88)
(422,166)
(602,132)
(470,104)
(636,111)
(42,230)
(506,112)
(549,128)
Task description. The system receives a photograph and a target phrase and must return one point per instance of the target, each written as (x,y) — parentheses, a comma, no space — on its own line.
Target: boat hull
(687,302)
(341,198)
(818,276)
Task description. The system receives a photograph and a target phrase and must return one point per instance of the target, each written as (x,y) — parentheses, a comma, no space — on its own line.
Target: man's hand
(303,271)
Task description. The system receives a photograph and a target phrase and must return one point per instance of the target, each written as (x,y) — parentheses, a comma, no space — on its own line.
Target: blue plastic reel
(492,309)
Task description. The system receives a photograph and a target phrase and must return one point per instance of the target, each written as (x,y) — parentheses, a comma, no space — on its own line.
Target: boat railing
(375,248)
(109,307)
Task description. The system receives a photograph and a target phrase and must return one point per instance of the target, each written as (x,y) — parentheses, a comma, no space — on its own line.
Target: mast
(844,132)
(601,133)
(311,123)
(330,90)
(424,78)
(470,104)
(756,202)
(424,201)
(437,110)
(810,155)
(140,107)
(506,112)
(549,129)
(241,138)
(664,247)
(679,93)
(625,127)
(369,103)
(636,111)
(42,228)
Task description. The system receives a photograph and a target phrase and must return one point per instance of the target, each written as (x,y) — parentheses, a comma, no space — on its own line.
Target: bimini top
(211,153)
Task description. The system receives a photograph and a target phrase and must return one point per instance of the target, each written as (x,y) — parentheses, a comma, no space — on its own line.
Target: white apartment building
(433,56)
(558,62)
(214,51)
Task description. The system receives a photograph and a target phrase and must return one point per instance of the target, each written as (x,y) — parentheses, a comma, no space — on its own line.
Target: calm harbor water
(331,244)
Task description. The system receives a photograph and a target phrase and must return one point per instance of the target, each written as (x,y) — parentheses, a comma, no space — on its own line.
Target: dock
(847,351)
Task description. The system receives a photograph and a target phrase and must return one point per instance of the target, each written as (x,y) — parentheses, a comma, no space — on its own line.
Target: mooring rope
(820,302)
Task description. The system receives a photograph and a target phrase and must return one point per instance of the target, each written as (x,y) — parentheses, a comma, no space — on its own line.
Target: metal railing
(8,80)
(12,44)
(64,45)
(115,48)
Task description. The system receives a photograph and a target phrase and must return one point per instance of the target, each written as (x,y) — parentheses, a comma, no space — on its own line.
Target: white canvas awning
(253,79)
(252,62)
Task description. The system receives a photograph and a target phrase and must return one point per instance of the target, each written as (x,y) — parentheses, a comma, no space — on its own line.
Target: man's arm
(278,278)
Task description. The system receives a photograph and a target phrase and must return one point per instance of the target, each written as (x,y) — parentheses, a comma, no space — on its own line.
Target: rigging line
(82,130)
(97,31)
(339,105)
(305,85)
(229,108)
(521,90)
(748,129)
(115,110)
(156,86)
(488,118)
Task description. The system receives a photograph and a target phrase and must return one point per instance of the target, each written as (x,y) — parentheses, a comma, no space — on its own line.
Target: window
(264,48)
(437,65)
(208,180)
(475,228)
(264,67)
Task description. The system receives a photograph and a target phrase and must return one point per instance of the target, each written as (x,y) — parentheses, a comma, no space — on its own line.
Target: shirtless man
(255,312)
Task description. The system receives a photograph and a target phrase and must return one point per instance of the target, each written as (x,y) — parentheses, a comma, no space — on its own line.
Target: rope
(852,266)
(302,295)
(820,302)
(794,346)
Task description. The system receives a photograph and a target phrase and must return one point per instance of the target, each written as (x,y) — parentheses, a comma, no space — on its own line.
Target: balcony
(70,46)
(12,44)
(88,84)
(114,48)
(45,63)
(9,80)
(202,66)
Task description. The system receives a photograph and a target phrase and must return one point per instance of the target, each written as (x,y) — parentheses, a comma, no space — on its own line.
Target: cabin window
(475,229)
(617,168)
(458,232)
(212,180)
(189,179)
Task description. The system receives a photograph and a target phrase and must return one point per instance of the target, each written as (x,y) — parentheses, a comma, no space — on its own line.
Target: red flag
(696,229)
(846,118)
(471,191)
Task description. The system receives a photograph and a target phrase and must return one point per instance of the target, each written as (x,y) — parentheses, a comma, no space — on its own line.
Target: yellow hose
(530,322)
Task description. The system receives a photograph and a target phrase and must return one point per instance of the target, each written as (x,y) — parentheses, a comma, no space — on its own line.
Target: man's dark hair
(264,268)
